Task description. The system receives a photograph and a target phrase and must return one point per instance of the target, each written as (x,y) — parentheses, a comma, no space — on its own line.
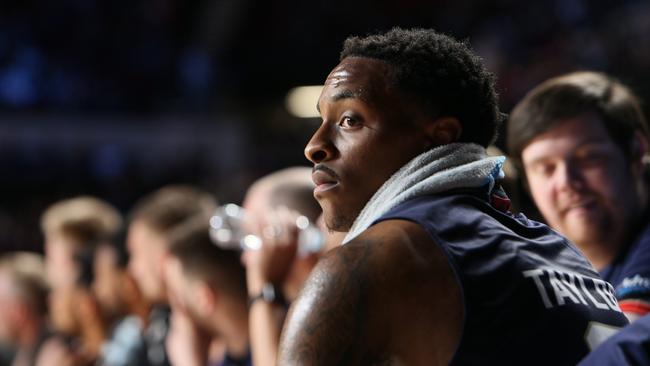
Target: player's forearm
(265,324)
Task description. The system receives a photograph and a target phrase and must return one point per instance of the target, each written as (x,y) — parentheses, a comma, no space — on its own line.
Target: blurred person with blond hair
(152,220)
(23,305)
(70,225)
(72,228)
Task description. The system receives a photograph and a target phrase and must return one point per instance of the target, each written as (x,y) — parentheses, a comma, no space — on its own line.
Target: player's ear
(443,130)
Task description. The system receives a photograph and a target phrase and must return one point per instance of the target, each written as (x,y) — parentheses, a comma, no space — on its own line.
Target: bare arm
(389,295)
(275,262)
(326,323)
(265,323)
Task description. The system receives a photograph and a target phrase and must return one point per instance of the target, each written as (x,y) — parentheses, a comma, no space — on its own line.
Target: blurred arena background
(117,98)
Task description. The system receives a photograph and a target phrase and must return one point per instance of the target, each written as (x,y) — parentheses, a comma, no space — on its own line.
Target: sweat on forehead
(359,77)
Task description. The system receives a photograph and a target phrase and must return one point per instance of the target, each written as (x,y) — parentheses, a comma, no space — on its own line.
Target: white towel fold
(447,167)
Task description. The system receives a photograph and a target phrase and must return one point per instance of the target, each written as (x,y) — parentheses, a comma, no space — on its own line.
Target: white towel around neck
(447,167)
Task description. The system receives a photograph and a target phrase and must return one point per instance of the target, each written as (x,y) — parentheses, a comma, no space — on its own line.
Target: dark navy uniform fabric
(155,336)
(630,272)
(529,296)
(630,346)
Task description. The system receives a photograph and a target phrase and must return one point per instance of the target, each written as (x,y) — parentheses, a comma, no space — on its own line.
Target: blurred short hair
(201,259)
(82,220)
(572,95)
(290,187)
(26,271)
(171,206)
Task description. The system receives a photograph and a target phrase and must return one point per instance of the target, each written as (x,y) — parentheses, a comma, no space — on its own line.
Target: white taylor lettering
(556,287)
(536,274)
(571,284)
(561,292)
(598,304)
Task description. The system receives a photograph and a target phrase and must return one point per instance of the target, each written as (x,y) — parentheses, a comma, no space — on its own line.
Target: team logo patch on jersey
(631,286)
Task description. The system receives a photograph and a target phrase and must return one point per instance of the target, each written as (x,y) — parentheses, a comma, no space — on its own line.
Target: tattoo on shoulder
(327,322)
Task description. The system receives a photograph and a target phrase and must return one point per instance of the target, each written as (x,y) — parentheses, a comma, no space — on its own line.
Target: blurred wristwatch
(269,294)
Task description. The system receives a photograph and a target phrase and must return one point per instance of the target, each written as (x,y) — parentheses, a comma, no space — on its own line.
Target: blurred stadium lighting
(301,101)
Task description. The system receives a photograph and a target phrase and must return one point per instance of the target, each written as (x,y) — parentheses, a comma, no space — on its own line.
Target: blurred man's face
(147,251)
(582,182)
(62,269)
(368,132)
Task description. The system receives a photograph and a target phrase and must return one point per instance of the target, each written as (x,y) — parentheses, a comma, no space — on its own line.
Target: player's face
(368,131)
(581,181)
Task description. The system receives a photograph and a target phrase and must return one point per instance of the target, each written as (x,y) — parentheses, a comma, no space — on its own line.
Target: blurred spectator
(23,306)
(152,220)
(581,139)
(207,290)
(70,226)
(121,304)
(272,205)
(72,229)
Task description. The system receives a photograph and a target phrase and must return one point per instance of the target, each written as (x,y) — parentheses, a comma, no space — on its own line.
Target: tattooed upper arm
(390,294)
(327,322)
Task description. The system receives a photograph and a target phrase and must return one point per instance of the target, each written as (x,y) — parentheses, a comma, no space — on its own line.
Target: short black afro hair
(443,73)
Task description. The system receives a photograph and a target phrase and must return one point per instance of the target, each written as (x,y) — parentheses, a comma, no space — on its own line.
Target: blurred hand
(273,262)
(186,344)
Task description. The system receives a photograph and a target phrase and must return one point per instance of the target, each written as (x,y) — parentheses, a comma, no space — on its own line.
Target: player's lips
(324,178)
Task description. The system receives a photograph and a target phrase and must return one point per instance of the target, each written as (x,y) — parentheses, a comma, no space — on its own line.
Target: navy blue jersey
(630,346)
(630,275)
(529,296)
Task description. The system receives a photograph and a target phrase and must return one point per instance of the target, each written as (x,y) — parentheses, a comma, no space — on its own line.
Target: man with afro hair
(434,269)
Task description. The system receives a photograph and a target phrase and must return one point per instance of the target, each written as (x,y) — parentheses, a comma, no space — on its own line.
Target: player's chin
(339,222)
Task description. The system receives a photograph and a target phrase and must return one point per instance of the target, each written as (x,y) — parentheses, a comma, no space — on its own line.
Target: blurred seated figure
(78,322)
(72,229)
(69,226)
(151,221)
(277,272)
(581,139)
(207,289)
(23,306)
(121,304)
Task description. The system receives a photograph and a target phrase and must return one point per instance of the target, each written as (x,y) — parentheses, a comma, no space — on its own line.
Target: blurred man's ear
(444,130)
